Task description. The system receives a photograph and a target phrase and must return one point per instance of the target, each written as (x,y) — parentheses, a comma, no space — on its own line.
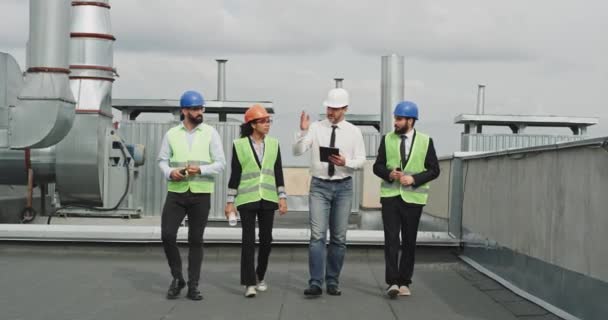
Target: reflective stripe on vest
(197,154)
(256,183)
(415,165)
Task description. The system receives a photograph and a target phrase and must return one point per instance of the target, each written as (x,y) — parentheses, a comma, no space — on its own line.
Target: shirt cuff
(348,163)
(168,174)
(231,195)
(281,192)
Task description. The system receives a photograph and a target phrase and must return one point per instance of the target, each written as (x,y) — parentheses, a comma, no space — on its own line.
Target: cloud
(540,57)
(434,32)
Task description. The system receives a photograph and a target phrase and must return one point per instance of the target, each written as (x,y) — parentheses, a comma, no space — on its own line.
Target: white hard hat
(336,98)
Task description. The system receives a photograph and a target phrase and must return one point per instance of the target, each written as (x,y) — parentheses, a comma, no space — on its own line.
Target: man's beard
(196,120)
(402,130)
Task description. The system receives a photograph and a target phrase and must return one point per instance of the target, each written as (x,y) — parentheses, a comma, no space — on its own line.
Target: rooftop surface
(75,281)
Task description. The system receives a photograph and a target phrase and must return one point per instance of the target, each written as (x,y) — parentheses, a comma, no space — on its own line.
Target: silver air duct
(392,88)
(481,99)
(221,79)
(92,151)
(11,82)
(45,102)
(91,165)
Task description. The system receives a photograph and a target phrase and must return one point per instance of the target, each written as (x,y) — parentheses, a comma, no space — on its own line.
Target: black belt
(333,180)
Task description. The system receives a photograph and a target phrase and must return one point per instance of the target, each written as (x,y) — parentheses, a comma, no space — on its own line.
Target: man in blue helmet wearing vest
(406,162)
(191,155)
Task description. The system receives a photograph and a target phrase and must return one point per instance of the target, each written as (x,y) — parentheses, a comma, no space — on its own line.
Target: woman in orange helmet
(256,189)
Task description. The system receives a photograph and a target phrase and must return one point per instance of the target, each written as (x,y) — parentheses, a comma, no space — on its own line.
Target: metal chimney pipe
(392,89)
(92,58)
(481,98)
(48,43)
(221,79)
(84,152)
(339,82)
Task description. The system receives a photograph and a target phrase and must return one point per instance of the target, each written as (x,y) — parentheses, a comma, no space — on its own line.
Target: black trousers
(398,216)
(177,206)
(265,220)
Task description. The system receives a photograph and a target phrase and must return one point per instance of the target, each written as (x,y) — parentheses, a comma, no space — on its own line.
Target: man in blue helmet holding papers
(406,162)
(191,155)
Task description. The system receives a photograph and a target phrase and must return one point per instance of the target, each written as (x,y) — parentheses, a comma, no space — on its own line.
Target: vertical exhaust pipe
(339,82)
(221,79)
(392,89)
(481,99)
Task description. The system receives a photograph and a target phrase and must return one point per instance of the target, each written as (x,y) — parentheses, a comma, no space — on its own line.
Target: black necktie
(402,150)
(332,143)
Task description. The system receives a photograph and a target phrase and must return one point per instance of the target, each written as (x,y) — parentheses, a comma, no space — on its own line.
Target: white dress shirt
(348,139)
(216,152)
(408,143)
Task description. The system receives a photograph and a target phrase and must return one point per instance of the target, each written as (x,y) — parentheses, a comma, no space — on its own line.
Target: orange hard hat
(254,112)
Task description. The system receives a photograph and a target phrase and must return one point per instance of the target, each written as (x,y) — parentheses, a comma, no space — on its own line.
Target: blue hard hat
(191,99)
(406,109)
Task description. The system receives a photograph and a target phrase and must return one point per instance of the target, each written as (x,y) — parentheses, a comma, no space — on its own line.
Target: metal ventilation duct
(392,88)
(45,102)
(481,99)
(87,149)
(221,79)
(11,82)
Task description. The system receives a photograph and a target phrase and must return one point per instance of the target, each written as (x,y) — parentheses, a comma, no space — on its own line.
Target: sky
(544,57)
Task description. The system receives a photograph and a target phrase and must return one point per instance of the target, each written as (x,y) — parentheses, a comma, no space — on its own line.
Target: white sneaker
(250,292)
(404,291)
(392,291)
(262,286)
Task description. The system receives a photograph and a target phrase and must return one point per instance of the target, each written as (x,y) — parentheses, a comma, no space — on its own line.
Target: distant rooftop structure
(132,108)
(474,139)
(518,123)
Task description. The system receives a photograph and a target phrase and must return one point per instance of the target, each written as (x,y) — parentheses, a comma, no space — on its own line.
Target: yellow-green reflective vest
(415,165)
(182,155)
(256,183)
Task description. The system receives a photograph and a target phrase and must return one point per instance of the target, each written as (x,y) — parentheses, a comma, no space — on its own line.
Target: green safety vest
(198,154)
(415,165)
(256,184)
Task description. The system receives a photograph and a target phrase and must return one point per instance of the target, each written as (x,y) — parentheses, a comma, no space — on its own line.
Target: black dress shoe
(194,294)
(333,291)
(175,288)
(313,291)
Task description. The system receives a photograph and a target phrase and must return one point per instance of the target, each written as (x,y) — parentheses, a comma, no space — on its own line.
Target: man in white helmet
(331,188)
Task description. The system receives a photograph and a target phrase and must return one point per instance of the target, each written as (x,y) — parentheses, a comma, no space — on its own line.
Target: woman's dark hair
(246,129)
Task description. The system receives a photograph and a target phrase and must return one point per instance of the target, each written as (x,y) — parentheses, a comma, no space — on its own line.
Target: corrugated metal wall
(372,142)
(495,142)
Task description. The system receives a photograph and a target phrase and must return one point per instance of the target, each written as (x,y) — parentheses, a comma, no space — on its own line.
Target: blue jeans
(330,205)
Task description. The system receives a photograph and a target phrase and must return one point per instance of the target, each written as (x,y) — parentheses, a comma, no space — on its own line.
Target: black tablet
(325,152)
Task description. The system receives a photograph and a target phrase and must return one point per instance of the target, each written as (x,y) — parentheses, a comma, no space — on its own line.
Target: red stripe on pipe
(48,70)
(88,67)
(91,78)
(92,35)
(84,3)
